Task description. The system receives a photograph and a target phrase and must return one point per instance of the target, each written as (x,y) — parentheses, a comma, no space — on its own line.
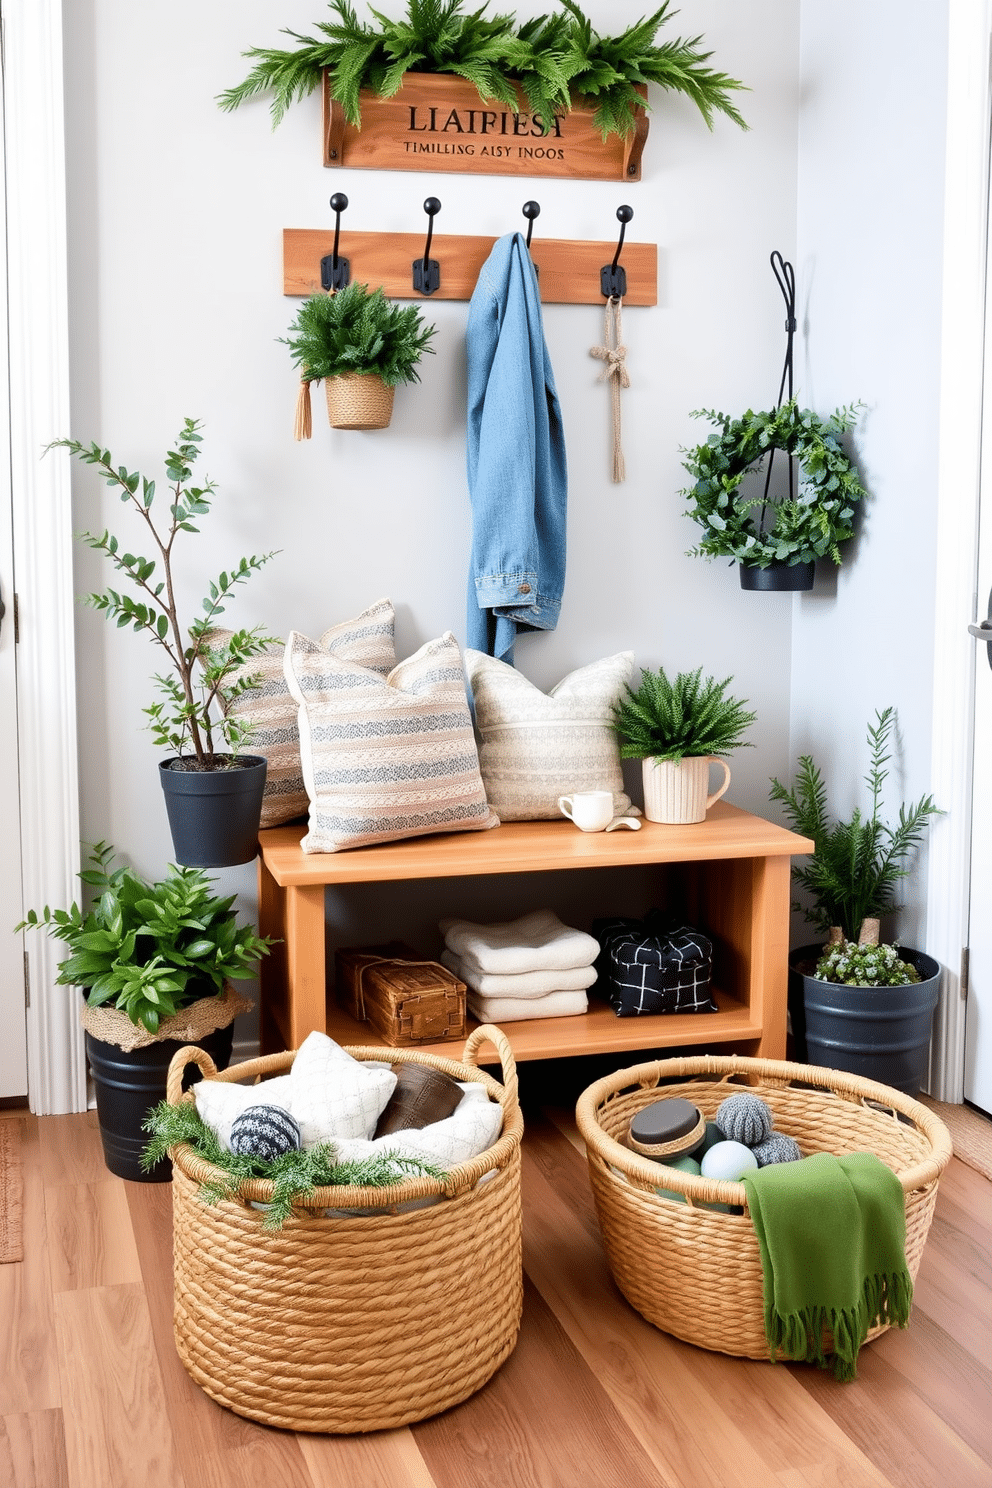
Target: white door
(13,1034)
(978,1013)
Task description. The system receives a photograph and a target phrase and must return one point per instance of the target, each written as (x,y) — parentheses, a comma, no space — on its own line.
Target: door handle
(982,631)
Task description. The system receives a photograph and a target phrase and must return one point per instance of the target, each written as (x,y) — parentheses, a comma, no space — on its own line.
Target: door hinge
(17,621)
(27,980)
(965,968)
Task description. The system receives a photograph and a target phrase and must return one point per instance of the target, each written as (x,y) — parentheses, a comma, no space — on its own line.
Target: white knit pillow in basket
(535,746)
(385,757)
(272,711)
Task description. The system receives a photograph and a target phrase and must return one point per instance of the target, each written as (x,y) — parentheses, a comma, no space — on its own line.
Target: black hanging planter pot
(880,1033)
(214,814)
(128,1082)
(778,576)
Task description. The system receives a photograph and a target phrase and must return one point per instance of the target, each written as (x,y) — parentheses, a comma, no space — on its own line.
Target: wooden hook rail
(569,269)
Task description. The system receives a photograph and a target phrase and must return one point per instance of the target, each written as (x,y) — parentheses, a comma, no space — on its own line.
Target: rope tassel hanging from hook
(613,353)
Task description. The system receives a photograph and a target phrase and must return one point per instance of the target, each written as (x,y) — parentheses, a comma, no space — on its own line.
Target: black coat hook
(531,209)
(427,270)
(613,277)
(335,272)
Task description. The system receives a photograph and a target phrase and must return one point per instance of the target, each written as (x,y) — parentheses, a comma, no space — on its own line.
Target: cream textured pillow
(535,747)
(385,758)
(272,711)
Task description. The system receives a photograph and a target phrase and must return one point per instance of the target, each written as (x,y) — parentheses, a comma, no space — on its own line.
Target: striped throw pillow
(272,711)
(535,746)
(385,757)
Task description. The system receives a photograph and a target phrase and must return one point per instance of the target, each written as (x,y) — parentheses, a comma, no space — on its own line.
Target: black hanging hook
(612,277)
(427,270)
(531,209)
(335,272)
(785,277)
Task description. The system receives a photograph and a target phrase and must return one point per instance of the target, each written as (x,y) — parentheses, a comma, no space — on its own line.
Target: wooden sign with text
(438,122)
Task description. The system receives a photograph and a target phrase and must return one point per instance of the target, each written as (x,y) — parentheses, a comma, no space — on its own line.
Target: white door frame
(38,321)
(959,485)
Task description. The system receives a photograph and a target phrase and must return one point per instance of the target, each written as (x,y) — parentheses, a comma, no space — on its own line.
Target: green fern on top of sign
(553,58)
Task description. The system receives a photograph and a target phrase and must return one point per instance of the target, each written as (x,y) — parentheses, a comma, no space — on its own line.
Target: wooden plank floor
(92,1394)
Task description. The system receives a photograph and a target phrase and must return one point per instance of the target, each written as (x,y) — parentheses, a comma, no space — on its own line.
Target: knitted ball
(264,1132)
(776,1148)
(744,1118)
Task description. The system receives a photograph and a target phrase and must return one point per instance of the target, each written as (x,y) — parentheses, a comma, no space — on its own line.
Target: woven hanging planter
(358,400)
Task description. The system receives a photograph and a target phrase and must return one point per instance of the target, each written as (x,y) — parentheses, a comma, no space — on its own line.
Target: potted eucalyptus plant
(362,345)
(553,59)
(155,962)
(679,727)
(213,790)
(857,1004)
(776,539)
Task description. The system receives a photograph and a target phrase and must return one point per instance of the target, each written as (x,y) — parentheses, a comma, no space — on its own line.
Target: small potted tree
(856,1004)
(679,727)
(362,345)
(213,790)
(155,962)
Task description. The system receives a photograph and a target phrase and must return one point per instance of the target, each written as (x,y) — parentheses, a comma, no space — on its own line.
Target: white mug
(590,810)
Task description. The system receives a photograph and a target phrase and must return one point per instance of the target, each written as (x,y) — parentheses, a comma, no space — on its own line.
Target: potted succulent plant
(775,539)
(155,962)
(553,59)
(679,727)
(362,345)
(213,790)
(856,1004)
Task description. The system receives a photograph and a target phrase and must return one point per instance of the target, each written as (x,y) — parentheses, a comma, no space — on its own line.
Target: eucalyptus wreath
(761,529)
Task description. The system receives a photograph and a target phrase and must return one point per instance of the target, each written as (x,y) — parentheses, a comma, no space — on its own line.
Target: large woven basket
(696,1272)
(363,1320)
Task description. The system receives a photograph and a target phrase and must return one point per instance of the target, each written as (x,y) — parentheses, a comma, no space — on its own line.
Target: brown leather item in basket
(407,999)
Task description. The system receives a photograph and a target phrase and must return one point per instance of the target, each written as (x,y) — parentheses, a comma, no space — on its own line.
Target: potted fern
(556,60)
(155,962)
(213,790)
(362,345)
(679,727)
(858,1004)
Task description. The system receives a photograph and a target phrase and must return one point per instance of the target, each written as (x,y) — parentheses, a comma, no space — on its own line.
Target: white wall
(176,214)
(869,255)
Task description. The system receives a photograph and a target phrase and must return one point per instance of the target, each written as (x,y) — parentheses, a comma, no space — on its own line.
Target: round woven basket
(358,400)
(378,1314)
(696,1272)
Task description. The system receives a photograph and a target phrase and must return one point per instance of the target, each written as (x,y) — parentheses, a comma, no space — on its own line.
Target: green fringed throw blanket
(832,1233)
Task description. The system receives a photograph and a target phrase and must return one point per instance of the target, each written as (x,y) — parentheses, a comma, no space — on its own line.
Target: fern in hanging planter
(553,59)
(362,346)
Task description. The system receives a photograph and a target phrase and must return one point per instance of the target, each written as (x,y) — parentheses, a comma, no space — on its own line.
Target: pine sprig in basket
(295,1176)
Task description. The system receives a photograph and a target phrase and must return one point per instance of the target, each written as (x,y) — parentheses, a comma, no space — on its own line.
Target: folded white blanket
(536,942)
(521,983)
(517,1009)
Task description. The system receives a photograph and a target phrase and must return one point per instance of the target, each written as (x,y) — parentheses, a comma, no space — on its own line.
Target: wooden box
(406,999)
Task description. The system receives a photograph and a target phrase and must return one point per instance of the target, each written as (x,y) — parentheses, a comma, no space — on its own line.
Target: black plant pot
(214,814)
(778,576)
(128,1082)
(880,1033)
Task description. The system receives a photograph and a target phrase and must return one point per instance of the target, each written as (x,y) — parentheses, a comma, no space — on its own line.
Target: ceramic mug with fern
(678,791)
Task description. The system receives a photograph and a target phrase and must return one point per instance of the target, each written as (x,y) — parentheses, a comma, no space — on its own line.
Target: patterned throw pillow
(385,757)
(535,747)
(272,711)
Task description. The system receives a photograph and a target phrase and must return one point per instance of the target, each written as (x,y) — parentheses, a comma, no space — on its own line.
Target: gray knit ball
(744,1118)
(776,1148)
(264,1132)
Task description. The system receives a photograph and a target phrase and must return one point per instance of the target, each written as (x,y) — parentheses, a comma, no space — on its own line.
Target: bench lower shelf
(599,1031)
